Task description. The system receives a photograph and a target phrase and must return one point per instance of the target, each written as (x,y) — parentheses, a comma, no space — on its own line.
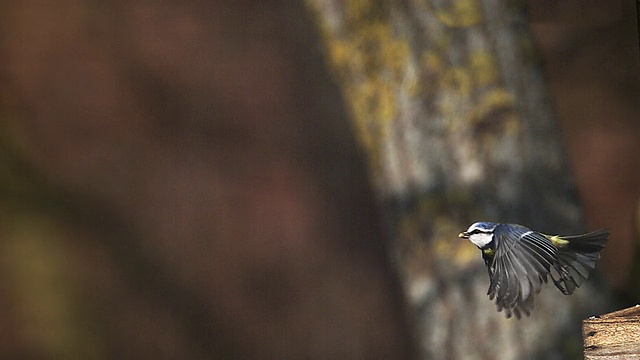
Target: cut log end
(615,335)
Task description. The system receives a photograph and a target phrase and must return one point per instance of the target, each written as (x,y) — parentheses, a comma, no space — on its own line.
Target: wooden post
(613,336)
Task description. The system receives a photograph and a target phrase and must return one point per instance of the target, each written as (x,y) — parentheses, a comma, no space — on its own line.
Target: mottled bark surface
(450,103)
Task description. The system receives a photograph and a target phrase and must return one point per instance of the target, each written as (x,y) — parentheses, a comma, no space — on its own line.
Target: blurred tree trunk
(449,102)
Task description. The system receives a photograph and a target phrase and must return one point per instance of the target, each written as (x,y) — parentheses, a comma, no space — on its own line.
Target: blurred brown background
(590,52)
(180,180)
(209,201)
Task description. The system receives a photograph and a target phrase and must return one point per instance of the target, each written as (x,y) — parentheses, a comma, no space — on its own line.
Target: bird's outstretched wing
(522,262)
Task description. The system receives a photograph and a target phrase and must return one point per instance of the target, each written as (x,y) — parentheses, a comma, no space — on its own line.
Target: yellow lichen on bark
(399,81)
(461,13)
(370,61)
(484,67)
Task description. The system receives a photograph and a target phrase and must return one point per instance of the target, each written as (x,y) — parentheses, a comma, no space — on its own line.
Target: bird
(519,260)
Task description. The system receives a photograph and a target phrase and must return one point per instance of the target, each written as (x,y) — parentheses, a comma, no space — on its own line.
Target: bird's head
(480,233)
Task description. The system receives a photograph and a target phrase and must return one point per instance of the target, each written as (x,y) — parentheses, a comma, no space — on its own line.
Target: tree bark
(449,102)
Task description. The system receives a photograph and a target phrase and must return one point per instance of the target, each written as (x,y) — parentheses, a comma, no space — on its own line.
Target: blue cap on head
(482,226)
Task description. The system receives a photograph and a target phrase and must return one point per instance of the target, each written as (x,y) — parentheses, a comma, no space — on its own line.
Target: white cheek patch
(481,239)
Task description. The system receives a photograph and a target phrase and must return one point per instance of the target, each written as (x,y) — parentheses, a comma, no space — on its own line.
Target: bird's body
(519,260)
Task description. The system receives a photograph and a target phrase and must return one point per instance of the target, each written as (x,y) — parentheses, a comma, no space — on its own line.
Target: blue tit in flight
(519,259)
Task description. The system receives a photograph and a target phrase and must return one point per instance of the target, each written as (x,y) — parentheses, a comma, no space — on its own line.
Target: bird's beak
(463,235)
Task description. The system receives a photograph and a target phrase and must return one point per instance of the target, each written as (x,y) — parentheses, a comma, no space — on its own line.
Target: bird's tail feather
(576,258)
(587,243)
